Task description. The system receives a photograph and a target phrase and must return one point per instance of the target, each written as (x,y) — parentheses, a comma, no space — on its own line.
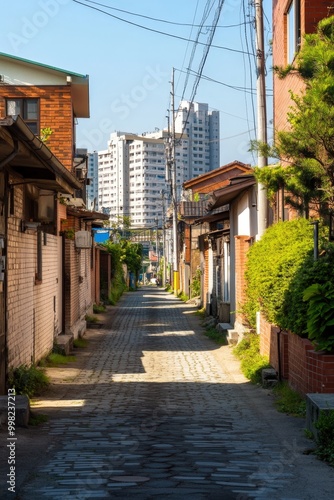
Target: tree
(307,149)
(133,256)
(125,252)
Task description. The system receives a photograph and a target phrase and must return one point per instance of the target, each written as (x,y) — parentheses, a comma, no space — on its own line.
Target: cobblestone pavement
(157,410)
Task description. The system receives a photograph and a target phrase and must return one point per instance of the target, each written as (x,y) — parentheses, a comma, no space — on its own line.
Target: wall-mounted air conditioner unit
(83,239)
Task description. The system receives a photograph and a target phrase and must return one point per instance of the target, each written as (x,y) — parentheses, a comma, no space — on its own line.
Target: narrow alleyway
(159,411)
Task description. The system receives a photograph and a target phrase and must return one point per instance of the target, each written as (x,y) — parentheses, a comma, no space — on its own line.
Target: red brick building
(293,357)
(48,281)
(291,20)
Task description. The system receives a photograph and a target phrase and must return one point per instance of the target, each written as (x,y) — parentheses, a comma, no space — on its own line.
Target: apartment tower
(132,170)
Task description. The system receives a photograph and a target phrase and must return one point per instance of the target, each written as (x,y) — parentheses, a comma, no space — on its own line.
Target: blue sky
(130,67)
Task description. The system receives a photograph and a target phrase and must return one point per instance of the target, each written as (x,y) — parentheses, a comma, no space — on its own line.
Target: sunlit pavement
(158,412)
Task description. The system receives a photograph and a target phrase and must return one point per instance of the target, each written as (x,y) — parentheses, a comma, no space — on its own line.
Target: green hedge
(280,268)
(272,264)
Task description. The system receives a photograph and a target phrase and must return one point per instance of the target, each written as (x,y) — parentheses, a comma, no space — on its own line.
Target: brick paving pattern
(155,414)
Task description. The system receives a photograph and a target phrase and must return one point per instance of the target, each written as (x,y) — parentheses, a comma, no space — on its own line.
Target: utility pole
(262,202)
(176,280)
(163,239)
(157,243)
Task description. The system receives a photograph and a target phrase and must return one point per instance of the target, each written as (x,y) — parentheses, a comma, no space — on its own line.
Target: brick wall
(298,373)
(320,369)
(242,244)
(31,306)
(78,291)
(305,369)
(312,11)
(56,112)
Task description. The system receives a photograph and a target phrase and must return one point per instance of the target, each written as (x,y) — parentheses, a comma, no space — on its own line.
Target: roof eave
(61,179)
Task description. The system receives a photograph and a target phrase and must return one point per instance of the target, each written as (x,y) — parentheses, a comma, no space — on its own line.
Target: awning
(23,153)
(86,214)
(226,195)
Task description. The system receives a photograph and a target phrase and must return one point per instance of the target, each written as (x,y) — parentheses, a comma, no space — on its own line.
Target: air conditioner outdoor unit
(83,239)
(80,174)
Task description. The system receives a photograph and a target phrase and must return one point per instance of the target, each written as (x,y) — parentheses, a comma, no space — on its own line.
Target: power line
(204,17)
(154,30)
(160,20)
(233,87)
(202,63)
(192,26)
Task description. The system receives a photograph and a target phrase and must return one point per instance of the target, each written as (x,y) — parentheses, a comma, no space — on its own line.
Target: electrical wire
(184,58)
(202,63)
(204,17)
(248,90)
(192,25)
(154,30)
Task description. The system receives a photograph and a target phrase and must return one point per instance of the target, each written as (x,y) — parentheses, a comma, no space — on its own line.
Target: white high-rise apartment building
(132,177)
(132,171)
(201,127)
(92,175)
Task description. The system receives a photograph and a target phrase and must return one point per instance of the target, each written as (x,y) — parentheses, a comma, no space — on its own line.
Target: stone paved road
(159,411)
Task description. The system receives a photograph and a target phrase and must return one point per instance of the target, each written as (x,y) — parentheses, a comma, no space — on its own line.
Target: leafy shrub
(320,315)
(294,311)
(325,436)
(28,380)
(195,286)
(272,264)
(280,268)
(252,362)
(117,289)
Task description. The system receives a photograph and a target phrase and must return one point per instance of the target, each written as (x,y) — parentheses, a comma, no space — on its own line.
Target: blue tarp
(100,236)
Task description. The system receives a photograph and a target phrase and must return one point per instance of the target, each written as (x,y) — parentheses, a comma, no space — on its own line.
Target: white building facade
(132,178)
(132,171)
(201,127)
(93,184)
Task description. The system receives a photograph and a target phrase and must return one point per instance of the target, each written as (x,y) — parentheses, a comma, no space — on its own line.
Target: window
(28,109)
(293,29)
